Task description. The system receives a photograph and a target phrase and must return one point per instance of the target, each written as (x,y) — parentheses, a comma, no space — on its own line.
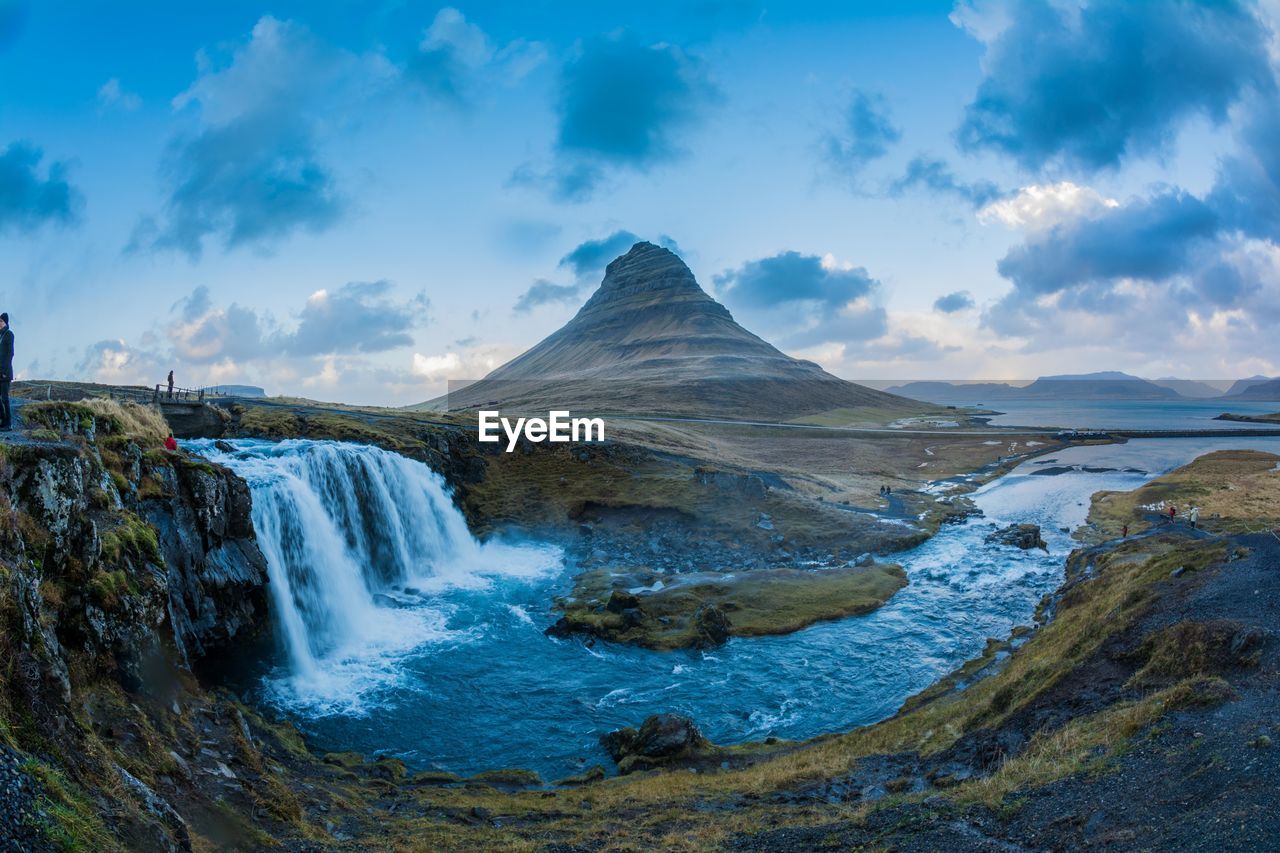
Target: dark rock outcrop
(711,625)
(662,739)
(217,577)
(1024,536)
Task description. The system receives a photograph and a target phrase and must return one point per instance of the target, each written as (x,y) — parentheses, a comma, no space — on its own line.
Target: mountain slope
(955,392)
(1241,385)
(650,340)
(1190,388)
(1266,390)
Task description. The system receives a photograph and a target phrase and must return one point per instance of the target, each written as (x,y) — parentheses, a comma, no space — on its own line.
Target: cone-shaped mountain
(650,340)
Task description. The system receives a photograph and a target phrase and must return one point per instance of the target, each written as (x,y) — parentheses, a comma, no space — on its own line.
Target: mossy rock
(387,768)
(435,777)
(594,773)
(508,778)
(346,760)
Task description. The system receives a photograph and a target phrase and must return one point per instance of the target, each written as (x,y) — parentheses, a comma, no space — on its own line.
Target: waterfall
(359,544)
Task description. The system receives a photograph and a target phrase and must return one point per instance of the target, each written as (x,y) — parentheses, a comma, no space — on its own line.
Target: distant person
(171,443)
(1124,534)
(6,371)
(1173,512)
(170,384)
(1194,516)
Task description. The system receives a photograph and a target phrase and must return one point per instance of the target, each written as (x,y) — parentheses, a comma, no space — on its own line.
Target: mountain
(955,393)
(1242,385)
(1190,388)
(1107,385)
(650,340)
(1266,390)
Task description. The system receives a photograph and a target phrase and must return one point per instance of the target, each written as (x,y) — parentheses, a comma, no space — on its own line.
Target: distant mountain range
(1240,386)
(1106,385)
(650,340)
(1267,389)
(1191,388)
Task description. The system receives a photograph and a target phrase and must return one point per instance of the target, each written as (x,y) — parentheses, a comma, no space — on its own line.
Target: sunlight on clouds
(1041,206)
(436,367)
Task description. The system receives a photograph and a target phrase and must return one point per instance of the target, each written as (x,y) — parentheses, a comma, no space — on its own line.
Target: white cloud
(464,364)
(452,30)
(113,95)
(434,368)
(1041,206)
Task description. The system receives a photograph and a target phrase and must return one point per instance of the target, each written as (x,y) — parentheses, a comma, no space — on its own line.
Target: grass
(72,822)
(1088,742)
(757,603)
(143,424)
(1236,490)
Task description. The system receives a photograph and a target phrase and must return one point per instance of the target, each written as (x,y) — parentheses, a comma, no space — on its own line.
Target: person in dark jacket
(6,371)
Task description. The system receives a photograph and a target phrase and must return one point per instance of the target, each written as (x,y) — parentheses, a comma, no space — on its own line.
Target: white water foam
(352,534)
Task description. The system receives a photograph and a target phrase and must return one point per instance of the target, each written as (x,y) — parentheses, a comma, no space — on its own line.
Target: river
(402,635)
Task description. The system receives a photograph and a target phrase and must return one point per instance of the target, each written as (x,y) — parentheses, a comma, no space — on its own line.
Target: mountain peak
(650,339)
(644,269)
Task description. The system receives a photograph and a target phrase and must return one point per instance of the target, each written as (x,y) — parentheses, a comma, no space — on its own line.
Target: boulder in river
(1024,536)
(711,626)
(662,739)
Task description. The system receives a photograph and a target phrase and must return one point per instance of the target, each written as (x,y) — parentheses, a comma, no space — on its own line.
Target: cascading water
(386,602)
(357,541)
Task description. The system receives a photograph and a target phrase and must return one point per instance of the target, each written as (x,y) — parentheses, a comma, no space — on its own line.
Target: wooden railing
(162,393)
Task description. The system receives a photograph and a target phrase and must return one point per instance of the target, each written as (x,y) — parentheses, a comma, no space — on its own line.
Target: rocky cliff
(120,565)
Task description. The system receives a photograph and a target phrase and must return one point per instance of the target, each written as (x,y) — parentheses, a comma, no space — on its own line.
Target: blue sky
(359,201)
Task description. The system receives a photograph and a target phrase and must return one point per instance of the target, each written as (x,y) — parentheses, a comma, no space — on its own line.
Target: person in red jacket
(170,443)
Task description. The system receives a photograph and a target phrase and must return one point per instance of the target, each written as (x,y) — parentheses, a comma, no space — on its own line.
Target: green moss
(755,603)
(593,774)
(508,778)
(131,537)
(345,760)
(106,589)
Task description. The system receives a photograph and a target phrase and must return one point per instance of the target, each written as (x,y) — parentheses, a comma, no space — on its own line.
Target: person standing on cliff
(6,371)
(170,384)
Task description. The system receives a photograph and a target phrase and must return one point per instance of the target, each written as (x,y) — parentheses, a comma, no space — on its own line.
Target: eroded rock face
(216,575)
(111,550)
(1024,536)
